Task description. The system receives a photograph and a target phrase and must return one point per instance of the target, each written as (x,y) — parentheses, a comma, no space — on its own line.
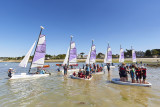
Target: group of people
(86,70)
(136,73)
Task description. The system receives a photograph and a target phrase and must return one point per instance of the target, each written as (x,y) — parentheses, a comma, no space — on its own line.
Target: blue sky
(125,22)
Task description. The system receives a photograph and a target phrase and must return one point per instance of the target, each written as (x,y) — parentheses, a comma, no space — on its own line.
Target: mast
(36,48)
(70,48)
(91,51)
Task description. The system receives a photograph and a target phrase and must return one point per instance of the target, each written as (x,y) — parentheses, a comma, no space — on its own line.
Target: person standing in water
(65,69)
(108,68)
(10,72)
(87,71)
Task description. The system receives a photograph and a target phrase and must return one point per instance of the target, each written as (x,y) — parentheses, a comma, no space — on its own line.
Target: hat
(10,68)
(123,63)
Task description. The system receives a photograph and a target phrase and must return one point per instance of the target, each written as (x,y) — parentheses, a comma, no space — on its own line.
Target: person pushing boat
(10,70)
(65,69)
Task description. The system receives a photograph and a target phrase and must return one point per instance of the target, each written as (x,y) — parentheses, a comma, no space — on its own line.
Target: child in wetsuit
(144,74)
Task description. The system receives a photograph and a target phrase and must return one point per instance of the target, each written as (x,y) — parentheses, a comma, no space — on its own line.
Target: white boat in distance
(37,61)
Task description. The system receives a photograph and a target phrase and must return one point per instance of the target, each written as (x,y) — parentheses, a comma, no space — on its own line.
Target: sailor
(87,71)
(10,72)
(144,74)
(108,67)
(65,69)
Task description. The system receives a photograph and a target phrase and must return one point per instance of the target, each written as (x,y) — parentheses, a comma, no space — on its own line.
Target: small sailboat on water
(108,57)
(37,61)
(71,58)
(91,58)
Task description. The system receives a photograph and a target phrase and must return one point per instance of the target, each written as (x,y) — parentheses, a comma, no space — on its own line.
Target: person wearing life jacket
(79,72)
(140,75)
(94,68)
(108,68)
(87,71)
(136,73)
(122,71)
(144,74)
(132,73)
(98,68)
(74,74)
(10,72)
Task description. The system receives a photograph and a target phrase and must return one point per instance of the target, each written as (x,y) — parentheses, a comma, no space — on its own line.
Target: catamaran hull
(98,73)
(71,71)
(74,77)
(117,81)
(22,76)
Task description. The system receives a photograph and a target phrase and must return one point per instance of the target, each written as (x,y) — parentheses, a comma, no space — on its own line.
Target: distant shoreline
(127,60)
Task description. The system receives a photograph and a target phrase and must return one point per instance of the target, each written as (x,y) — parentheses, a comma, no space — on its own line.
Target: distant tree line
(127,54)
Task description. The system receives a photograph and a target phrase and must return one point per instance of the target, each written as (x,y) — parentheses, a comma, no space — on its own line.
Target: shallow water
(58,91)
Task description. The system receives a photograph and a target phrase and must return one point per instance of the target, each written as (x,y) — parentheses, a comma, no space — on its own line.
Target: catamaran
(121,55)
(71,58)
(108,57)
(91,58)
(37,61)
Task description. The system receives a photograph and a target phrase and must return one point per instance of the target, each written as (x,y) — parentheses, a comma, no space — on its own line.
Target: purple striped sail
(109,55)
(93,55)
(133,55)
(39,56)
(121,57)
(73,54)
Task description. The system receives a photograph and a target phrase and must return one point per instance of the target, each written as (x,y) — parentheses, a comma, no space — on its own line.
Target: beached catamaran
(121,55)
(108,57)
(71,57)
(37,61)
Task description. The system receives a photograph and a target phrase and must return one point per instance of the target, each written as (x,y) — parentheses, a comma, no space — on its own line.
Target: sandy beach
(116,60)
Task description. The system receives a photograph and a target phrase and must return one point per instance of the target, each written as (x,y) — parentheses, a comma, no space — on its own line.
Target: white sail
(24,62)
(87,60)
(66,58)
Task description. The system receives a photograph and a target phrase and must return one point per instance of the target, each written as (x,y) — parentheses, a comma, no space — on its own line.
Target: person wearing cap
(10,72)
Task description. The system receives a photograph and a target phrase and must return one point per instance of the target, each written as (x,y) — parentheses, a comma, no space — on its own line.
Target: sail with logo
(91,58)
(37,61)
(121,56)
(108,55)
(133,55)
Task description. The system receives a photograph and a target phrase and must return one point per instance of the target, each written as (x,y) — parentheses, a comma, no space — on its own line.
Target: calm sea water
(57,91)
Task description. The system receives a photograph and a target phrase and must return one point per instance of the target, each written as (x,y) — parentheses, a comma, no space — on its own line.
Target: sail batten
(39,56)
(24,62)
